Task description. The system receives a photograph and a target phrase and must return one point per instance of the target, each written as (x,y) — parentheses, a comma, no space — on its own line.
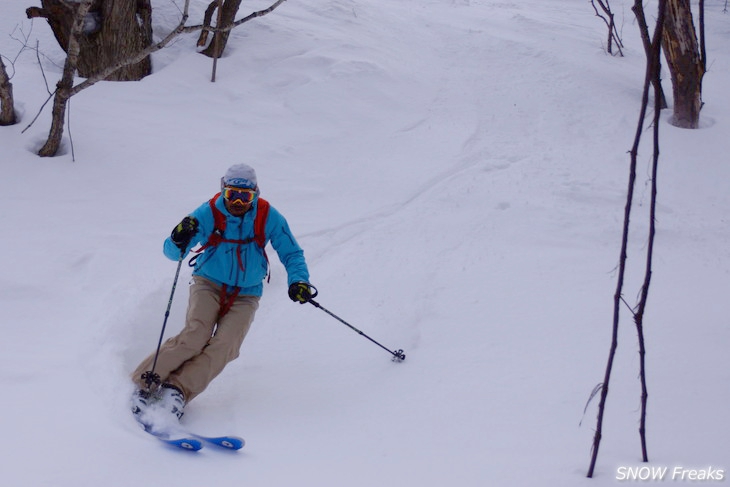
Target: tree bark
(112,30)
(7,106)
(685,64)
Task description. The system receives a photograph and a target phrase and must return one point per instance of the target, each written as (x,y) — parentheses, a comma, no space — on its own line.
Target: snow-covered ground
(456,172)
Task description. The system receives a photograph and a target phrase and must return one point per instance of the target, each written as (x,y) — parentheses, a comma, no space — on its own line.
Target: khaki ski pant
(193,358)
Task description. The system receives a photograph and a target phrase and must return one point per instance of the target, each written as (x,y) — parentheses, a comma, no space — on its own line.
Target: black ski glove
(300,292)
(184,232)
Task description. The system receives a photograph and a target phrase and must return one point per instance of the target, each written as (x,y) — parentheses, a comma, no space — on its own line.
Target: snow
(456,172)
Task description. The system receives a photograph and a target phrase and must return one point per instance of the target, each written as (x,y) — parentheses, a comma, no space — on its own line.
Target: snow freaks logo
(675,474)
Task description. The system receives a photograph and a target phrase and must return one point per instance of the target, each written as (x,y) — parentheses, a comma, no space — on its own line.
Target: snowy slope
(456,172)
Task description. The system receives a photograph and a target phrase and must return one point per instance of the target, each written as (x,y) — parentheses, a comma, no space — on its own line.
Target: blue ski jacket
(242,265)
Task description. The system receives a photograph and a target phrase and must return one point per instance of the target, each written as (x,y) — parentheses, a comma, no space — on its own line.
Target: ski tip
(234,443)
(228,442)
(189,444)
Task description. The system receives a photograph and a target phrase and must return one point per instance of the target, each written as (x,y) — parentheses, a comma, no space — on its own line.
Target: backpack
(219,228)
(216,237)
(219,225)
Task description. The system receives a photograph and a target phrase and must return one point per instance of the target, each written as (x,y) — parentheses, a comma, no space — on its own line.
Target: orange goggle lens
(243,195)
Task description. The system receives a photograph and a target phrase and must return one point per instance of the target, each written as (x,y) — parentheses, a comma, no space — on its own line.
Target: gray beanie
(240,176)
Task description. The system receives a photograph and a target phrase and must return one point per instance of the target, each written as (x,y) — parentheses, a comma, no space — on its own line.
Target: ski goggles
(233,195)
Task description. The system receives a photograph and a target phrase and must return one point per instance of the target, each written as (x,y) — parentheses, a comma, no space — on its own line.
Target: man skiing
(233,229)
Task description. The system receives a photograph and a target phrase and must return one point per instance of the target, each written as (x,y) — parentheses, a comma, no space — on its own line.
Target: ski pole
(398,355)
(150,377)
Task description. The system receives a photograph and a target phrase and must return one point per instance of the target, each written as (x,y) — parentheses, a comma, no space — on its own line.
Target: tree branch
(612,31)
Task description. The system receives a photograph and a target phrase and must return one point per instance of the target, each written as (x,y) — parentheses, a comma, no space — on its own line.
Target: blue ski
(185,443)
(229,442)
(193,442)
(172,433)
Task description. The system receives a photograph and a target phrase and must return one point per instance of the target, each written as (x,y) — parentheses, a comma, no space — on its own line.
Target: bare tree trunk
(63,88)
(685,64)
(112,30)
(126,29)
(652,70)
(644,296)
(226,16)
(7,106)
(638,10)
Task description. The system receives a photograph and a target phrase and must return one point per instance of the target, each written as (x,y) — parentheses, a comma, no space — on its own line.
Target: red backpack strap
(219,219)
(259,231)
(259,224)
(219,225)
(226,300)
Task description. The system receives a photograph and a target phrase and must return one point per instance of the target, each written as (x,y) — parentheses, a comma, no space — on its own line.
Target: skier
(233,229)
